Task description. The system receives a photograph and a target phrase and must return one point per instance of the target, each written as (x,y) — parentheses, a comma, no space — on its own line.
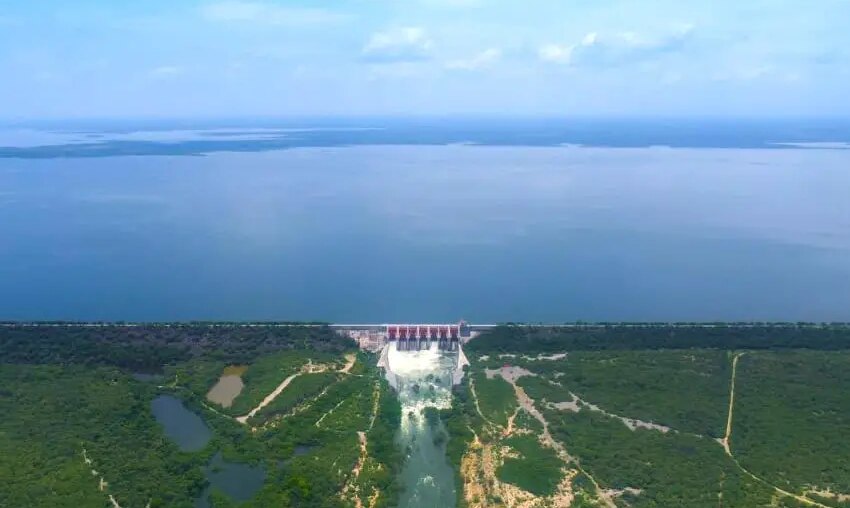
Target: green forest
(78,428)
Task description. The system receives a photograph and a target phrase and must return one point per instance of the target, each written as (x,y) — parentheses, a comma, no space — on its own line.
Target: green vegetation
(66,389)
(385,459)
(51,414)
(606,337)
(791,407)
(197,375)
(316,478)
(791,410)
(302,388)
(495,398)
(669,469)
(147,348)
(460,420)
(264,375)
(537,470)
(686,390)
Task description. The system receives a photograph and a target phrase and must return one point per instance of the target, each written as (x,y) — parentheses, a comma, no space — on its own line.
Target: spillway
(423,379)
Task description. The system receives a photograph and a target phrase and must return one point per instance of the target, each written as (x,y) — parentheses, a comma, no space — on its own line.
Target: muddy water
(423,379)
(228,388)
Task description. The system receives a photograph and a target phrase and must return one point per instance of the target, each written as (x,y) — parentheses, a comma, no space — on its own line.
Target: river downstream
(423,380)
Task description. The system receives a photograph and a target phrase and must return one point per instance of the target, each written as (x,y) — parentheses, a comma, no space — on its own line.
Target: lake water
(706,230)
(146,377)
(238,481)
(182,426)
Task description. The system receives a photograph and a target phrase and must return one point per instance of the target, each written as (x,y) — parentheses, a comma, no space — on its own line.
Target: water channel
(423,379)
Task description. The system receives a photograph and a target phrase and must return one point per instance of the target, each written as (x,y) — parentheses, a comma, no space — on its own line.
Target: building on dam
(411,336)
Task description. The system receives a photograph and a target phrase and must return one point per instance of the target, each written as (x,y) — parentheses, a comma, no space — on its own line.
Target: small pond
(298,451)
(238,481)
(302,449)
(182,426)
(229,386)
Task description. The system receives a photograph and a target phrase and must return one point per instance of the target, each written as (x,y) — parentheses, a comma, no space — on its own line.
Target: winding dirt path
(330,411)
(102,484)
(351,485)
(361,436)
(309,368)
(376,395)
(527,403)
(509,430)
(475,400)
(350,359)
(269,398)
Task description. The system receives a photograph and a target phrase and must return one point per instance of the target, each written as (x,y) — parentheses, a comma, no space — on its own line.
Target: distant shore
(318,324)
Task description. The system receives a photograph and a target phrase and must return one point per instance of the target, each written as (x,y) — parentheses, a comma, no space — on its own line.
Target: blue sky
(88,58)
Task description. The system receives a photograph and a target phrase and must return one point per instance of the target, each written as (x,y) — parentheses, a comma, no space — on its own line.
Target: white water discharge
(423,379)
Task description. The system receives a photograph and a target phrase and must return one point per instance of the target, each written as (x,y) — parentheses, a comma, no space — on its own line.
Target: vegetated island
(227,414)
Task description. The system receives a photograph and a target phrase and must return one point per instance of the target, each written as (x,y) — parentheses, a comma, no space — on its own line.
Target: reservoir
(182,426)
(430,232)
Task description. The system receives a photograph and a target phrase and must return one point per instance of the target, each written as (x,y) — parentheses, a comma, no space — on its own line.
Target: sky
(240,58)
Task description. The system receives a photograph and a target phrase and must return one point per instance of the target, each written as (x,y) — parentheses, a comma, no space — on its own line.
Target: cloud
(481,60)
(555,54)
(404,44)
(166,70)
(624,47)
(236,11)
(746,73)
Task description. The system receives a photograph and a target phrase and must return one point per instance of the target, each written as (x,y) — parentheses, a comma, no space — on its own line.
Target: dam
(411,336)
